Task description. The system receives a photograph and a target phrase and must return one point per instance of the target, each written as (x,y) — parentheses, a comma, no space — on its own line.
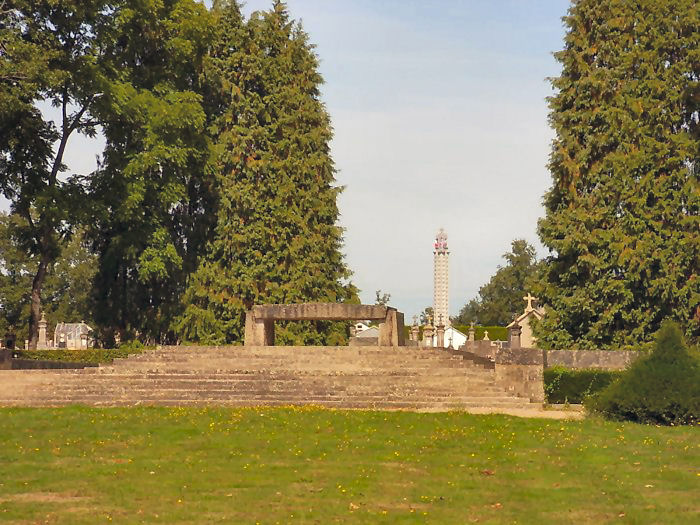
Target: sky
(440,121)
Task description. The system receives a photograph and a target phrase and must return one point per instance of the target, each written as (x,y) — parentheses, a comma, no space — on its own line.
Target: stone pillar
(42,332)
(440,332)
(514,331)
(471,331)
(428,335)
(259,332)
(415,331)
(26,344)
(391,329)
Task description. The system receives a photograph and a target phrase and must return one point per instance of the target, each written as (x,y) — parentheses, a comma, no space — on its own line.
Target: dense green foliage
(563,385)
(66,289)
(622,216)
(51,52)
(501,299)
(663,388)
(92,356)
(496,333)
(285,465)
(216,177)
(151,196)
(276,238)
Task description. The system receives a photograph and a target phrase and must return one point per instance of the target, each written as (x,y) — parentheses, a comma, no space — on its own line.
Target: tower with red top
(441,279)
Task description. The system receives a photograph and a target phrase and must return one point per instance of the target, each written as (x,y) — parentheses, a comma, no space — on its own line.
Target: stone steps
(339,404)
(342,377)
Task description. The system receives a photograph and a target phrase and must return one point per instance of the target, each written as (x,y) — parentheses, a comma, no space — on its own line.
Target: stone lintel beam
(260,329)
(321,312)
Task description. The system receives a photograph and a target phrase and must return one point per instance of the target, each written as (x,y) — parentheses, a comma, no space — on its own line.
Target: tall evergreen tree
(276,238)
(622,213)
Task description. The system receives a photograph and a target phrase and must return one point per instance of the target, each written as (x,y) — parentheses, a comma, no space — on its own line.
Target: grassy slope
(85,465)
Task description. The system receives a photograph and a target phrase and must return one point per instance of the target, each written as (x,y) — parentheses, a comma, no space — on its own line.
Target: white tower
(441,280)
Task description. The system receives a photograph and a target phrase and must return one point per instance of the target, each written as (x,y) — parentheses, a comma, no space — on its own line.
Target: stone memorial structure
(527,340)
(260,320)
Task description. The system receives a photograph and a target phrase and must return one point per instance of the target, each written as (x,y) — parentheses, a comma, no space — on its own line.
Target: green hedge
(496,333)
(78,356)
(563,385)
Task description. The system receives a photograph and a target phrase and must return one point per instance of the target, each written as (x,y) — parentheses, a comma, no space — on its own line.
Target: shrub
(663,388)
(563,385)
(77,356)
(496,333)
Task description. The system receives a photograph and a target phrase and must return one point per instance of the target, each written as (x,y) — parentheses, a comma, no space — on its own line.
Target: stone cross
(415,320)
(529,298)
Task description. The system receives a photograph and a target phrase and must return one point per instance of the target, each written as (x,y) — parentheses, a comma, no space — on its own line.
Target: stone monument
(527,340)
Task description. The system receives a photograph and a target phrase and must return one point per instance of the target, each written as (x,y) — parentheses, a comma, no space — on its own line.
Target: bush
(94,356)
(563,385)
(496,333)
(663,388)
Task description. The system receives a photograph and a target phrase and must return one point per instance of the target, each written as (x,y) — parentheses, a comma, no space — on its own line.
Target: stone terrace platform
(343,377)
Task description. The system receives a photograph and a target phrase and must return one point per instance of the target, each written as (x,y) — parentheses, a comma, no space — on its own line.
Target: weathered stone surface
(364,341)
(259,324)
(343,377)
(320,311)
(602,359)
(521,372)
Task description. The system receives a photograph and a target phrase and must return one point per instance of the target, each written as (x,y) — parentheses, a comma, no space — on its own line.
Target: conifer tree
(276,238)
(622,213)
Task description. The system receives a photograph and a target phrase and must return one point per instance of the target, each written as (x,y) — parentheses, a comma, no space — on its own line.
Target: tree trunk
(37,284)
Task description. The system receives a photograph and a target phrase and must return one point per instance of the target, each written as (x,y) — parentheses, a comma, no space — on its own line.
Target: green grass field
(308,465)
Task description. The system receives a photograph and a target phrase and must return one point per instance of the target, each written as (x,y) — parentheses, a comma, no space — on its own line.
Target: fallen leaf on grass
(496,506)
(487,472)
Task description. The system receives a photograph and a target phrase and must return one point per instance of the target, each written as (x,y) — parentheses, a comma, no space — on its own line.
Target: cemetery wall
(600,359)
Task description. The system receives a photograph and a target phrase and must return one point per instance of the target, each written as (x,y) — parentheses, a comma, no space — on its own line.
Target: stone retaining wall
(601,359)
(520,371)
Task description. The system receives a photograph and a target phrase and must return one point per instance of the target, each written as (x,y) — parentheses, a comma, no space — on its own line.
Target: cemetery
(196,199)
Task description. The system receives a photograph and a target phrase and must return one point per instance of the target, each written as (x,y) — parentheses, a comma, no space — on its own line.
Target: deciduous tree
(502,297)
(49,52)
(151,199)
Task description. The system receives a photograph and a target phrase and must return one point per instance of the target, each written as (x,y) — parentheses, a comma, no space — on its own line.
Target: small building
(72,336)
(369,337)
(453,338)
(358,328)
(527,340)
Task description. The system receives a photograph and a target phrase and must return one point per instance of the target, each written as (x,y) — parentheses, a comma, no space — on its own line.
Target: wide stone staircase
(342,377)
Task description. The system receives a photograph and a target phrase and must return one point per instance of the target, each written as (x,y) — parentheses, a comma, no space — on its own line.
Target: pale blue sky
(440,120)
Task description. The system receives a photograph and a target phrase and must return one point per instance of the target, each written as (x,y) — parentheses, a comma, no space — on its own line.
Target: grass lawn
(267,465)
